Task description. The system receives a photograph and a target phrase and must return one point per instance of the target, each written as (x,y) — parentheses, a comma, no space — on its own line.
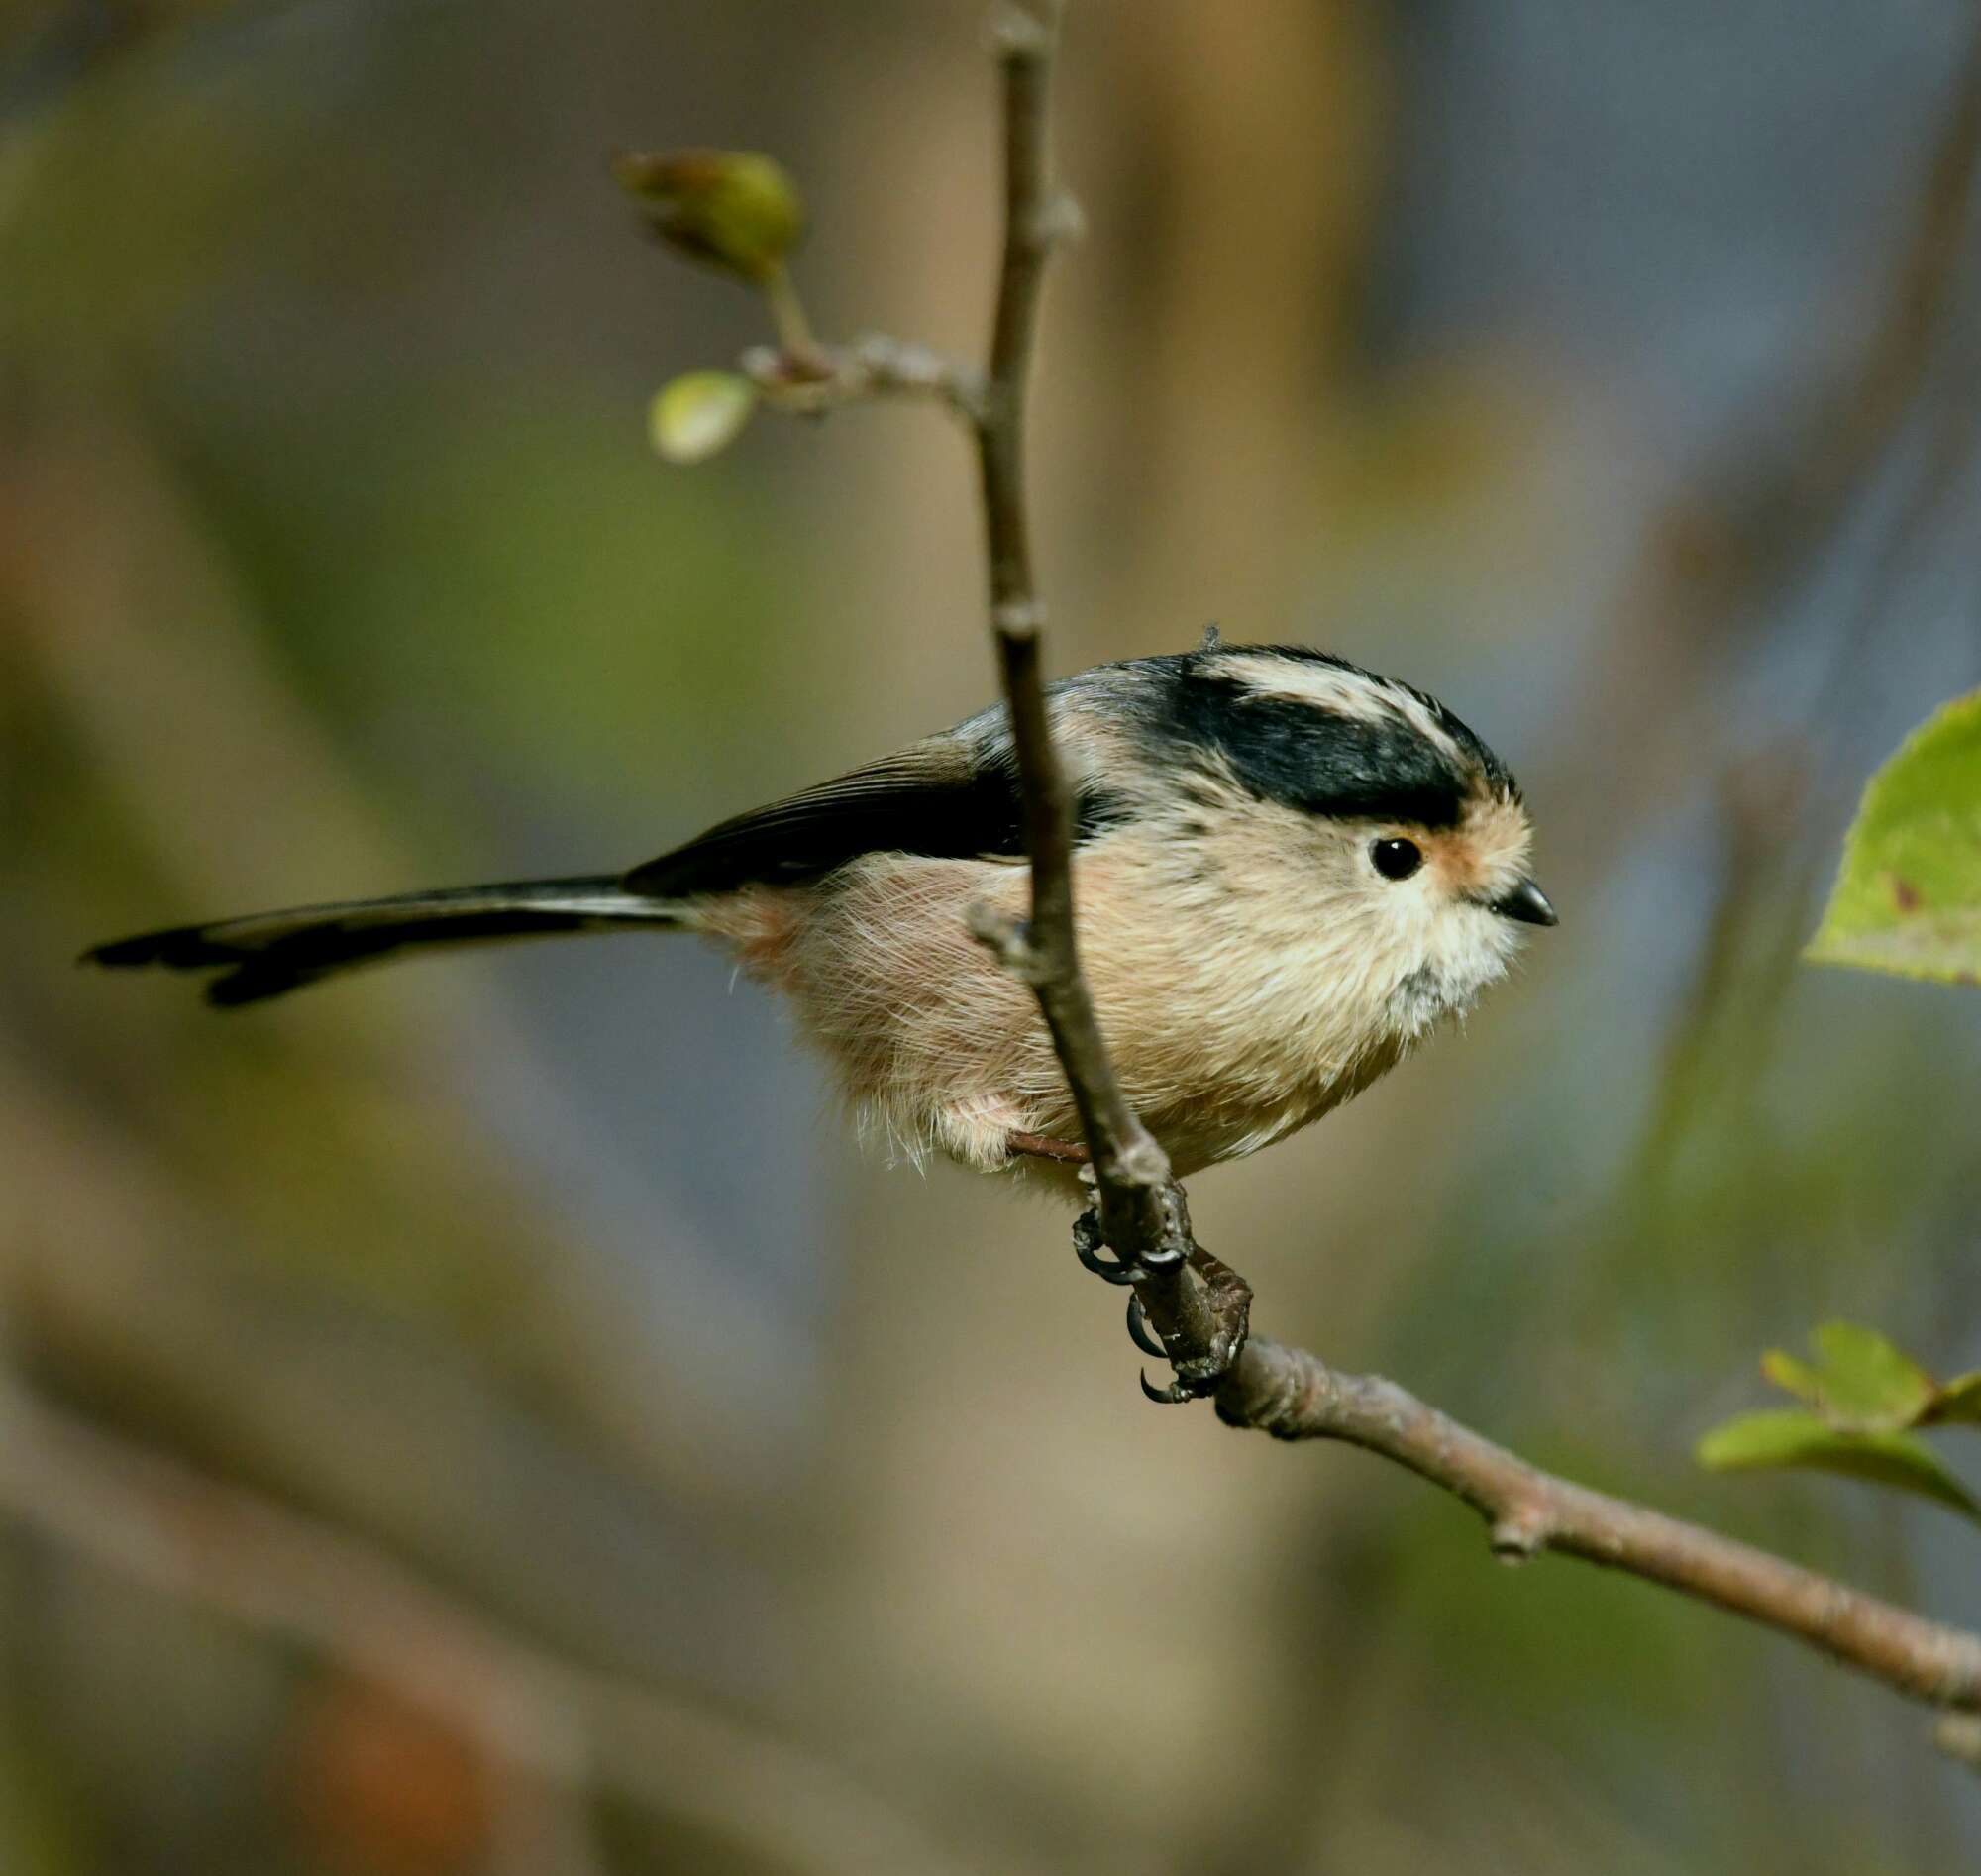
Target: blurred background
(486,1416)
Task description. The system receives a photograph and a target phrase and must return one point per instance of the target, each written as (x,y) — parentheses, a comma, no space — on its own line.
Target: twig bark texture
(1293,1395)
(1142,1215)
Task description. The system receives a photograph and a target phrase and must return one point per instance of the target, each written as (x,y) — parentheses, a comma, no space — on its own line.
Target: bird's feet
(1188,1309)
(1092,1250)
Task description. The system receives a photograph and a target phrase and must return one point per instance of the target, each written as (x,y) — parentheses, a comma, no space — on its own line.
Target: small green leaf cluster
(738,211)
(1863,1400)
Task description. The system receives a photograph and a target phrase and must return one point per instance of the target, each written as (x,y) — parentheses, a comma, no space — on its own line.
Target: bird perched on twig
(1288,871)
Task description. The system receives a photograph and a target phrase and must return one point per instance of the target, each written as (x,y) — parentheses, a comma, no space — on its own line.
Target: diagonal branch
(1293,1395)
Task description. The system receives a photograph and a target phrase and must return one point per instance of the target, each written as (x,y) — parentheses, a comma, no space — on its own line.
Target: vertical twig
(1036,218)
(1142,1213)
(1130,1169)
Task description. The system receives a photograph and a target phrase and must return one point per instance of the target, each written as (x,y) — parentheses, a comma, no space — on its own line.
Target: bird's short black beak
(1527,903)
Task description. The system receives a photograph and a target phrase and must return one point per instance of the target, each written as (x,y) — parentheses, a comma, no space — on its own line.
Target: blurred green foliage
(1788,1437)
(1863,1393)
(1908,900)
(602,625)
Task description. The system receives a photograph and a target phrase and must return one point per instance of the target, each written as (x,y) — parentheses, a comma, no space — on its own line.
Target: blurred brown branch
(1958,1735)
(553,1727)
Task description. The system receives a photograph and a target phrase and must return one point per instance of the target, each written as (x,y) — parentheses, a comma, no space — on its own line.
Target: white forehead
(1341,692)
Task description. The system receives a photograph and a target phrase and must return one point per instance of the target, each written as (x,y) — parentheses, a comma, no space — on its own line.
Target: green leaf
(1958,1402)
(1908,898)
(697,415)
(1794,1437)
(1793,1377)
(1868,1383)
(733,209)
(1860,1381)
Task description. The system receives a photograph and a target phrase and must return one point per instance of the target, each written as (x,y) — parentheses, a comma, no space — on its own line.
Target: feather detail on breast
(931,1040)
(1227,1036)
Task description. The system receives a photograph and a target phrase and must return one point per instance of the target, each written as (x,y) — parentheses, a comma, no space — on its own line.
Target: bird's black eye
(1396,859)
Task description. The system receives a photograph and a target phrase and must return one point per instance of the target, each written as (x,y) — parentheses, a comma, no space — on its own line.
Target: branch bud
(732,209)
(699,414)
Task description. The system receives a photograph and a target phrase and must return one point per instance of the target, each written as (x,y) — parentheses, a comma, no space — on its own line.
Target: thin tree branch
(1198,1308)
(1293,1395)
(1036,218)
(826,376)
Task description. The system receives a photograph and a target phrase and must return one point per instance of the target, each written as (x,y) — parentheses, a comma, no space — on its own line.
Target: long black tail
(273,953)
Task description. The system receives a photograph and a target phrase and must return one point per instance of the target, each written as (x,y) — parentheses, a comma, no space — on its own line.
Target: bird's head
(1358,810)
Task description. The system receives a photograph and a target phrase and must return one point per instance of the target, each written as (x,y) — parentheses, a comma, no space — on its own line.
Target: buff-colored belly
(940,1050)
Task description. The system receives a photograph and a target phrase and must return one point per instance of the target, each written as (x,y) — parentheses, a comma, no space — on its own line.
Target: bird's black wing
(950,797)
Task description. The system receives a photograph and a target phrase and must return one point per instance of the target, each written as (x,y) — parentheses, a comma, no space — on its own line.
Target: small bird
(1288,871)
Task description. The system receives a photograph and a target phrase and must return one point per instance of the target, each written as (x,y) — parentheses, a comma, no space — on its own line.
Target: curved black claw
(1139,1332)
(1110,1270)
(1086,1246)
(1175,1394)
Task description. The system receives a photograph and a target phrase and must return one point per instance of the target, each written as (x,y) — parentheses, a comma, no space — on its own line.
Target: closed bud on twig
(697,415)
(733,209)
